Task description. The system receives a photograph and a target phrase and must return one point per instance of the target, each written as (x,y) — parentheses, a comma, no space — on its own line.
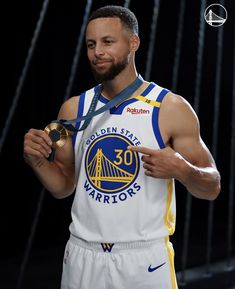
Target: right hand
(37,146)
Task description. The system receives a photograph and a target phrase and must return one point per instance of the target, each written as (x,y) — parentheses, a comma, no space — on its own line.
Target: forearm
(59,184)
(203,183)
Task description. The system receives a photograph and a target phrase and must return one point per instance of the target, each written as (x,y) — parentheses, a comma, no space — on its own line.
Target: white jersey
(115,201)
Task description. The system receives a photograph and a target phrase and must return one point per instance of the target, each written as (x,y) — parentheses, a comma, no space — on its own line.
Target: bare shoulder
(177,116)
(176,104)
(69,108)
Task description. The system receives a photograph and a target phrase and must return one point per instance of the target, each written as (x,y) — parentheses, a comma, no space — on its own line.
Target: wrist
(34,163)
(184,171)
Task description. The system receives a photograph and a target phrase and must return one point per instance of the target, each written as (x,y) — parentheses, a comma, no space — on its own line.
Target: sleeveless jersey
(115,201)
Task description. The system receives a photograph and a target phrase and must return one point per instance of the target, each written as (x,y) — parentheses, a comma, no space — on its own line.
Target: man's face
(108,47)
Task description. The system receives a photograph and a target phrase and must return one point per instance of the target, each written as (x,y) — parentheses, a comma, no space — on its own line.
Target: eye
(90,45)
(108,41)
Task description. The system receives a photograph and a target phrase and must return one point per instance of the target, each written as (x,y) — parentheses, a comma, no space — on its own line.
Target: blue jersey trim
(155,122)
(81,110)
(148,89)
(103,99)
(120,108)
(79,114)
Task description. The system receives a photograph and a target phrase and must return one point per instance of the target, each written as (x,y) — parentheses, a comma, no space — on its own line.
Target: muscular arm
(186,157)
(56,176)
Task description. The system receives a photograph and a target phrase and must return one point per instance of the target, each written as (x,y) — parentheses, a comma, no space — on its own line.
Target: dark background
(43,93)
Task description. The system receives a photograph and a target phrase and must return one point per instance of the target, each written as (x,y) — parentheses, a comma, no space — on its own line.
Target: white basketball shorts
(142,265)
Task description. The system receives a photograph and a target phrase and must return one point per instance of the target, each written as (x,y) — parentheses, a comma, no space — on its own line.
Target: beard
(111,73)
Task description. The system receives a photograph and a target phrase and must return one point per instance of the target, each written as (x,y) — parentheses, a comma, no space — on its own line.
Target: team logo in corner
(110,167)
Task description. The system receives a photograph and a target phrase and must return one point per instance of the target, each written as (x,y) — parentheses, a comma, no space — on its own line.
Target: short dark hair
(126,16)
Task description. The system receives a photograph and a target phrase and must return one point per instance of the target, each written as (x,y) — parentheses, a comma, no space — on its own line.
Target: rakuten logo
(137,111)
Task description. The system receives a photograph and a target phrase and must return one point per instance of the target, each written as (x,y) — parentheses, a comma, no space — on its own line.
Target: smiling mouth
(101,64)
(98,63)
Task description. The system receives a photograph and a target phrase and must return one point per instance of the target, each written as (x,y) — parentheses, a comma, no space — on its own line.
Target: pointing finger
(140,149)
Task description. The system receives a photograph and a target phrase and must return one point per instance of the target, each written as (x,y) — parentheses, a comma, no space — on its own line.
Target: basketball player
(123,167)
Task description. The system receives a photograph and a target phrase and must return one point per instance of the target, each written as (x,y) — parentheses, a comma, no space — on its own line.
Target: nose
(99,50)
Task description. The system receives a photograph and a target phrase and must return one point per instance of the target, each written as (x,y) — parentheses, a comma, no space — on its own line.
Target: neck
(120,82)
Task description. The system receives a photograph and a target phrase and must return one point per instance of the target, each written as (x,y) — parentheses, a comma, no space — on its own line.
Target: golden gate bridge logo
(110,167)
(215,15)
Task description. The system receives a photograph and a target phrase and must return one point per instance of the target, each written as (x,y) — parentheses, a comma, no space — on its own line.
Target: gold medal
(58,134)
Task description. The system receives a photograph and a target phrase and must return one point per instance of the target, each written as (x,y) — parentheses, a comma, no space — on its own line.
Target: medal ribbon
(124,94)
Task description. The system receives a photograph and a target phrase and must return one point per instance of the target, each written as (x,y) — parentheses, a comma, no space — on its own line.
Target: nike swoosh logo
(151,269)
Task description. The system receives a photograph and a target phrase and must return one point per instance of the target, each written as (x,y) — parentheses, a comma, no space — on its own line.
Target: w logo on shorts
(107,247)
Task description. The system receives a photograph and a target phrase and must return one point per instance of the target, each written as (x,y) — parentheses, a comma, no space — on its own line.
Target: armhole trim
(155,119)
(81,102)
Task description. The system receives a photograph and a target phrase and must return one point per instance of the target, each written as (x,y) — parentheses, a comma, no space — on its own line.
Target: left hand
(163,163)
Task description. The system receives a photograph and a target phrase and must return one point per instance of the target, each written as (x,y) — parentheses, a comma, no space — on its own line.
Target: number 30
(125,157)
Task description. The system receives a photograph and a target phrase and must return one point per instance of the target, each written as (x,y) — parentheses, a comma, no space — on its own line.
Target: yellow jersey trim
(171,255)
(148,101)
(169,219)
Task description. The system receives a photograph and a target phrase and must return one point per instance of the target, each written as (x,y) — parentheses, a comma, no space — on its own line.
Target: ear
(134,42)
